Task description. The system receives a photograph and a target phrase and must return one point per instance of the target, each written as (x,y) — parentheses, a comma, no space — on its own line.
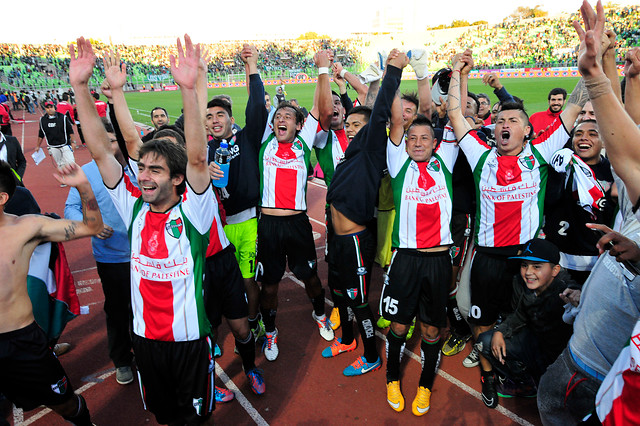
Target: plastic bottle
(222,160)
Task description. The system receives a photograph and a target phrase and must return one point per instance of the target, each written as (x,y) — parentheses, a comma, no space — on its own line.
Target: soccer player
(510,183)
(420,271)
(159,118)
(30,374)
(169,220)
(284,231)
(351,197)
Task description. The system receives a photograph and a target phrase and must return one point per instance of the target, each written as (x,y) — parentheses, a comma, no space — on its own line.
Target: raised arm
(48,229)
(499,90)
(460,125)
(255,113)
(424,97)
(621,135)
(322,100)
(632,88)
(80,71)
(609,62)
(579,97)
(184,69)
(396,129)
(116,74)
(360,88)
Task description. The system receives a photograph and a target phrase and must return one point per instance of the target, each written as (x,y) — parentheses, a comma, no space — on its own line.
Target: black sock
(458,324)
(395,346)
(82,417)
(345,325)
(364,317)
(430,361)
(247,350)
(253,322)
(269,319)
(318,304)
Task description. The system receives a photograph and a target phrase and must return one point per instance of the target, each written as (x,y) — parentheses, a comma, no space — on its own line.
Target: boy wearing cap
(533,335)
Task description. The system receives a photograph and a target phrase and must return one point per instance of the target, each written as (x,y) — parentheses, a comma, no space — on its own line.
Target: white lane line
(318,222)
(511,415)
(18,416)
(318,184)
(250,409)
(22,137)
(84,270)
(92,281)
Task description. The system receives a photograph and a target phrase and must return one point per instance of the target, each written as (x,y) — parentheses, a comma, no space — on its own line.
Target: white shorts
(62,155)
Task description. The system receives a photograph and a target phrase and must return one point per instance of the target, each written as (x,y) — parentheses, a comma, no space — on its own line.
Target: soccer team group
(468,192)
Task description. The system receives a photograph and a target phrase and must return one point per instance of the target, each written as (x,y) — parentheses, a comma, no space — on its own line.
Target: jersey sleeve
(200,208)
(472,146)
(310,130)
(124,196)
(448,151)
(396,156)
(553,139)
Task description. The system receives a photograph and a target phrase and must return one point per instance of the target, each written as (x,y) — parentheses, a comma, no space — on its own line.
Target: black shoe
(489,393)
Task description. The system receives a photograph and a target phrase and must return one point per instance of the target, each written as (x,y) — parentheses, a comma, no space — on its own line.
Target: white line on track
(84,270)
(22,137)
(511,415)
(250,409)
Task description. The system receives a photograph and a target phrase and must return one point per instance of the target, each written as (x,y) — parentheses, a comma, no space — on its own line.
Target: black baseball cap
(539,250)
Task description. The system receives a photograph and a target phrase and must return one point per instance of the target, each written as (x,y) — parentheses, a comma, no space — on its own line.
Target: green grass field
(533,90)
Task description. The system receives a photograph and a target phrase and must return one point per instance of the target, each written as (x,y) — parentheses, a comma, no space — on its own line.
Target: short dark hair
(175,156)
(422,120)
(333,92)
(65,96)
(225,97)
(362,110)
(484,96)
(287,104)
(411,97)
(222,103)
(557,91)
(7,179)
(159,107)
(475,98)
(171,131)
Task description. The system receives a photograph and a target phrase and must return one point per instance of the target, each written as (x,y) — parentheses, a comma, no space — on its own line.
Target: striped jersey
(330,148)
(167,262)
(510,189)
(422,194)
(284,168)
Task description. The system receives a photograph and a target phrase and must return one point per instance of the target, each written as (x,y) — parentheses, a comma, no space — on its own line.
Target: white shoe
(472,360)
(418,61)
(324,327)
(270,345)
(370,75)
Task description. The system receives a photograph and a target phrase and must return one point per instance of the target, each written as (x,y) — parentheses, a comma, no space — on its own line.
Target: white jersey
(167,262)
(284,168)
(422,195)
(511,188)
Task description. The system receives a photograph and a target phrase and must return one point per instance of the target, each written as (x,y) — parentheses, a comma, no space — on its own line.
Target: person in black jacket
(529,339)
(11,152)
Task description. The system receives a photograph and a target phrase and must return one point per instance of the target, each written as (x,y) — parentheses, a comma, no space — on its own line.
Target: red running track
(302,387)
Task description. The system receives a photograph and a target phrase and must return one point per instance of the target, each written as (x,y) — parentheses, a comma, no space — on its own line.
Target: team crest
(60,387)
(297,144)
(454,251)
(197,404)
(174,227)
(352,293)
(434,165)
(528,161)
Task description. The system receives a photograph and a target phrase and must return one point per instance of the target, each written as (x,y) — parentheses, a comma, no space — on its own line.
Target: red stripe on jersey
(506,228)
(427,235)
(157,311)
(285,188)
(342,138)
(130,187)
(621,412)
(508,170)
(153,234)
(214,246)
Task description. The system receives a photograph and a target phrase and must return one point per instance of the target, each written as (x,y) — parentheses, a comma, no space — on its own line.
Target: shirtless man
(33,376)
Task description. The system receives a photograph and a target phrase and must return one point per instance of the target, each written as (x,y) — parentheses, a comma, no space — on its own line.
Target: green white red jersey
(510,189)
(284,168)
(422,195)
(330,148)
(167,262)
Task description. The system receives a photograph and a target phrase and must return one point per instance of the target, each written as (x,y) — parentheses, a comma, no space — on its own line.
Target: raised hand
(105,88)
(492,80)
(81,66)
(590,50)
(249,54)
(71,174)
(184,68)
(323,58)
(398,59)
(467,58)
(114,70)
(632,63)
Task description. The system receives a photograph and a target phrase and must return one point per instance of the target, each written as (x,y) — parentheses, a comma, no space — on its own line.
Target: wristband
(598,86)
(342,73)
(323,70)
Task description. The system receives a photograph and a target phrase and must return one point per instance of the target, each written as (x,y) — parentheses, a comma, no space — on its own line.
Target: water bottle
(222,160)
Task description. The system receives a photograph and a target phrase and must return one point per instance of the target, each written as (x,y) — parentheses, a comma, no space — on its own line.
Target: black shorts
(283,239)
(491,282)
(461,234)
(30,374)
(224,292)
(350,266)
(417,284)
(176,379)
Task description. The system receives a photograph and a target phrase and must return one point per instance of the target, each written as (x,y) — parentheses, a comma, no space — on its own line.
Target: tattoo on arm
(579,96)
(70,231)
(89,207)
